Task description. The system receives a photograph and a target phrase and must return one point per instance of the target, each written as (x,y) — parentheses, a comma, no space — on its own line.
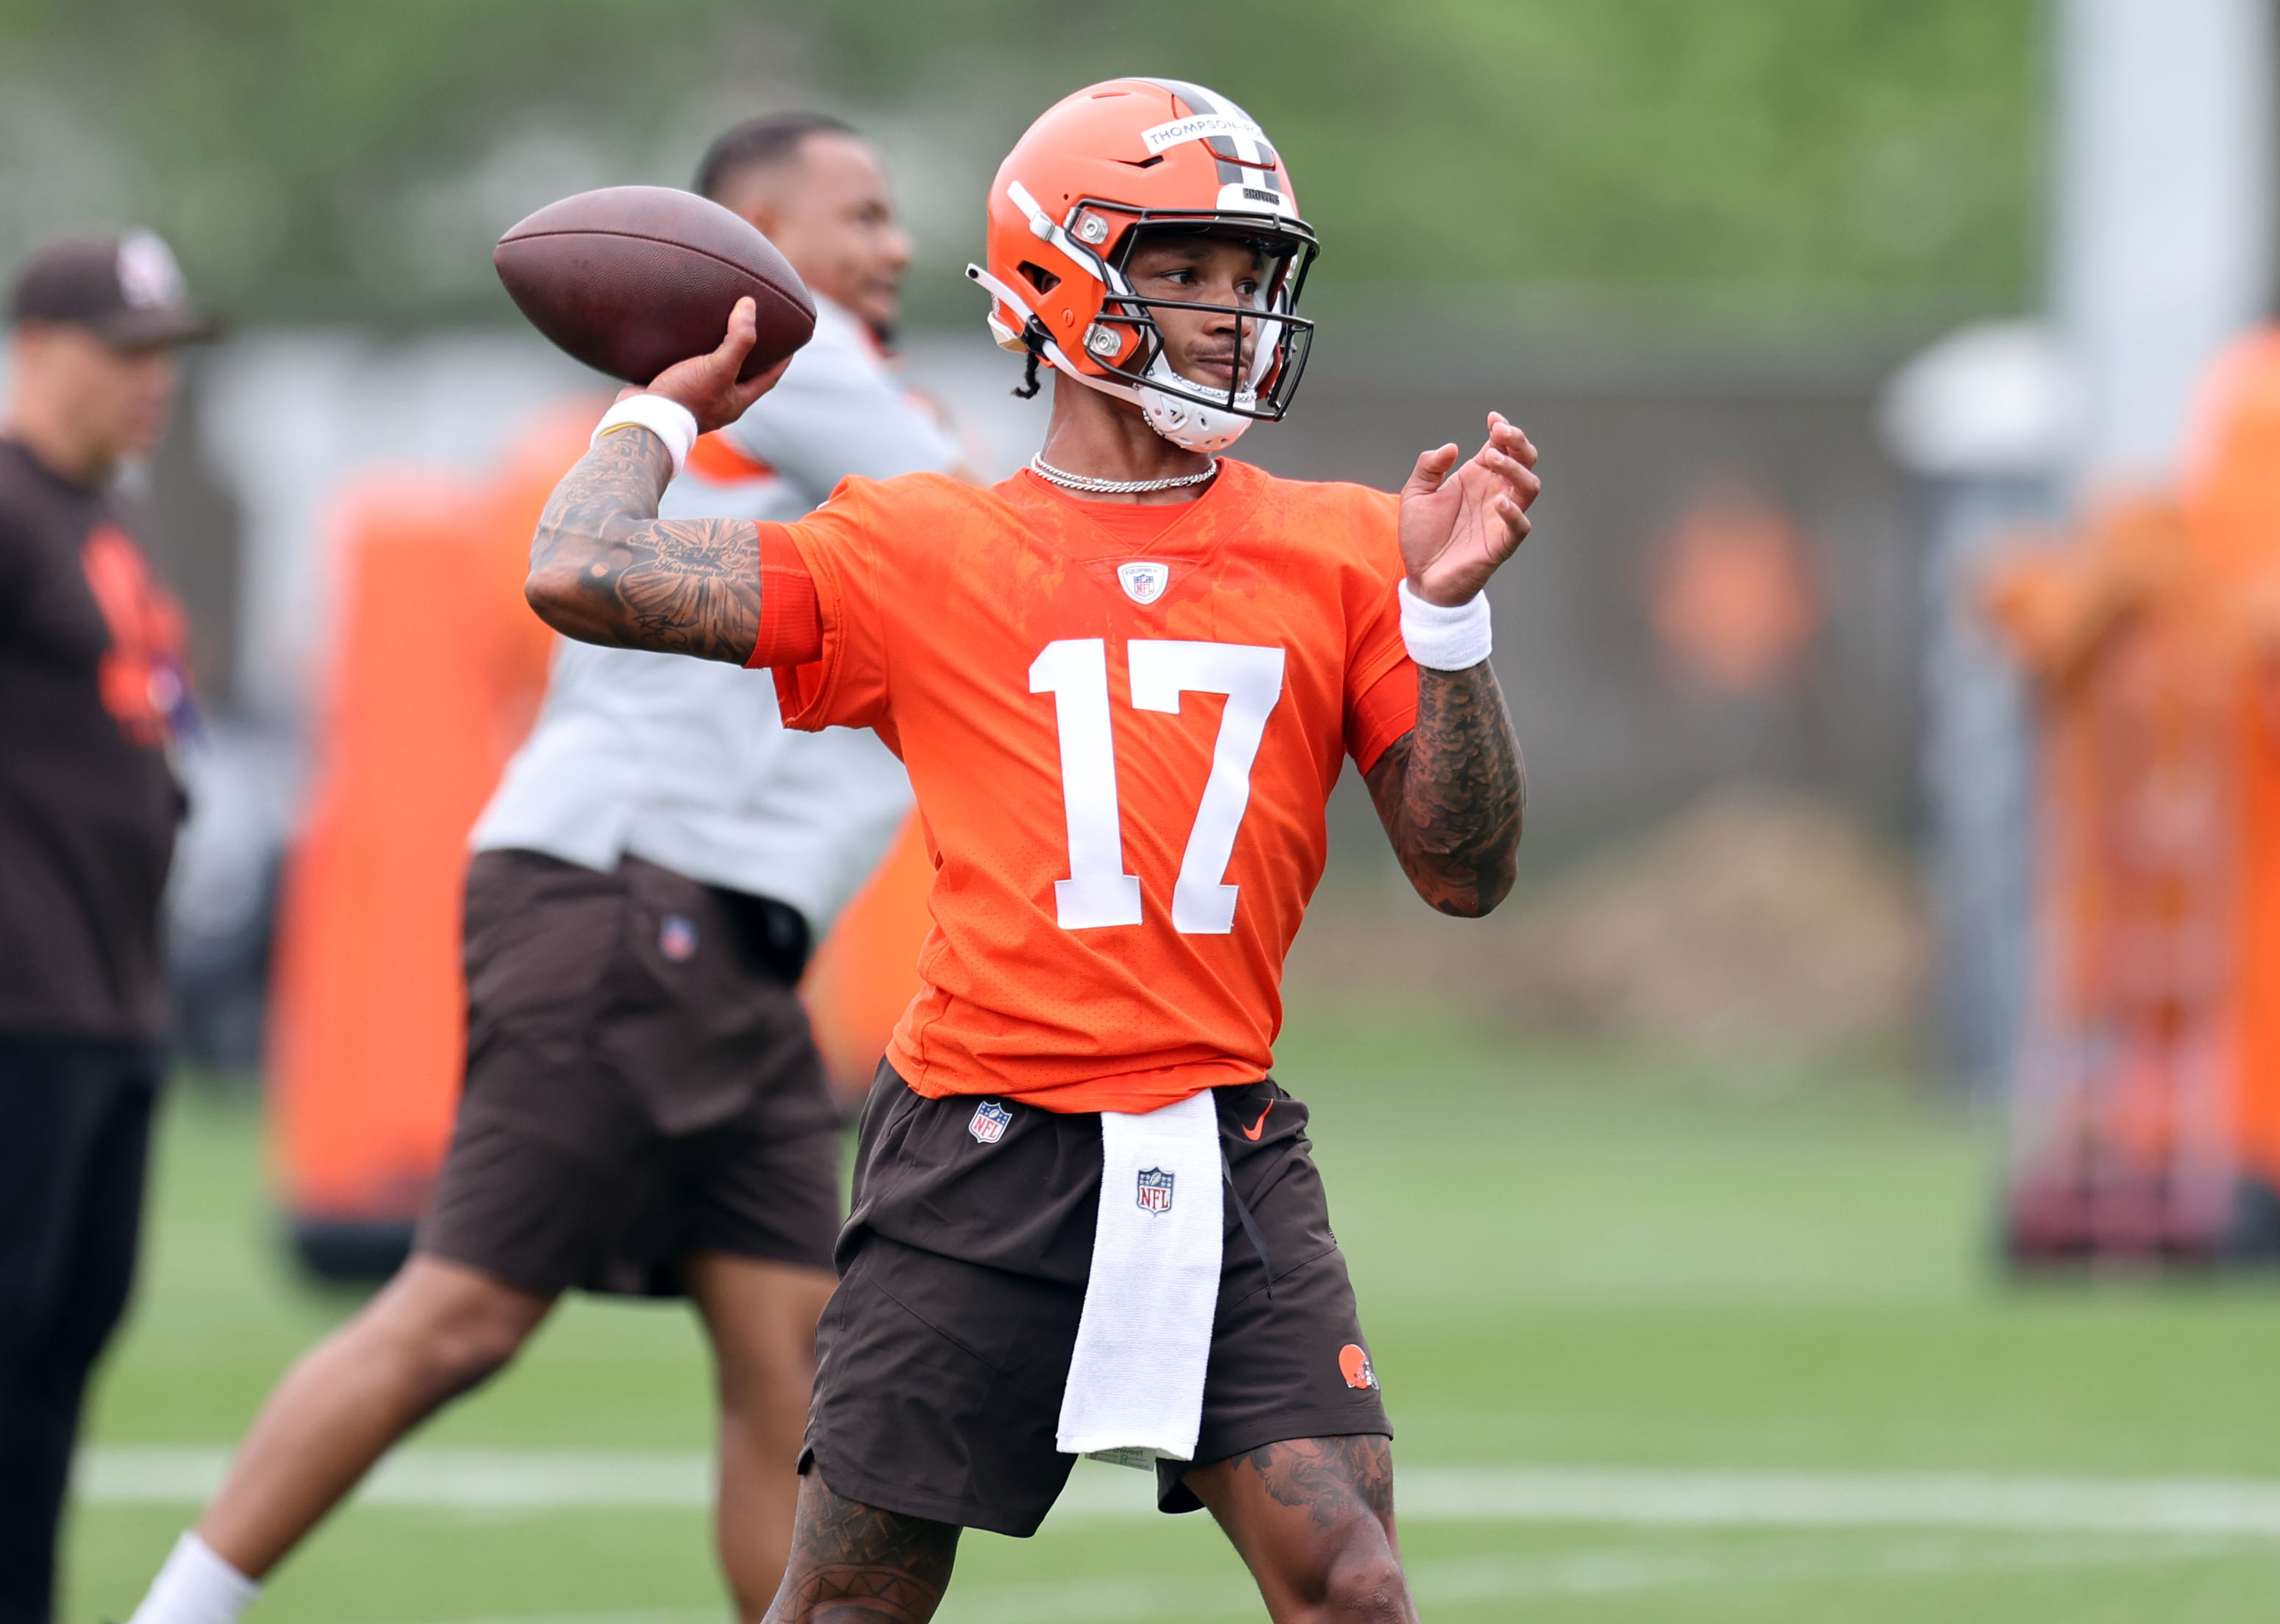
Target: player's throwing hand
(706,384)
(1458,523)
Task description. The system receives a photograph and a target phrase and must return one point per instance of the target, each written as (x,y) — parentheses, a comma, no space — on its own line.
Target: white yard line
(435,1479)
(548,1479)
(1840,1499)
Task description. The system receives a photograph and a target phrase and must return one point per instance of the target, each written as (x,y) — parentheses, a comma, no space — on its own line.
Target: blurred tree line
(350,161)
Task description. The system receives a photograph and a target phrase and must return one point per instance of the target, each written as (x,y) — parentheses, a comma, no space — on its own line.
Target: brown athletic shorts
(946,1348)
(641,1083)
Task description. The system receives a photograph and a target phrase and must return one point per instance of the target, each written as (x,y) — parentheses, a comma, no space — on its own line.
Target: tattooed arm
(604,568)
(1451,790)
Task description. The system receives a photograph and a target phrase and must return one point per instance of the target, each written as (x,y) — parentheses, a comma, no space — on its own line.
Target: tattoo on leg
(1328,1478)
(854,1564)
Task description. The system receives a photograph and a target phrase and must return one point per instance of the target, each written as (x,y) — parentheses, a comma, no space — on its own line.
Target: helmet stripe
(1198,98)
(1236,154)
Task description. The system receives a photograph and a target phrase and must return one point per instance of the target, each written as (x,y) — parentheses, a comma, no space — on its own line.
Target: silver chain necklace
(1066,481)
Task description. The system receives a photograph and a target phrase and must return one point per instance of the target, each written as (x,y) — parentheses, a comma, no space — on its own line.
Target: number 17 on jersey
(1074,670)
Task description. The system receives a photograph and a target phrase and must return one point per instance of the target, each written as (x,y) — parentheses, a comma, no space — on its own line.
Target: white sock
(196,1587)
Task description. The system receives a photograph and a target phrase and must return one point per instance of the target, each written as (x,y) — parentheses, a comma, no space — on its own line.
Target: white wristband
(668,419)
(1444,639)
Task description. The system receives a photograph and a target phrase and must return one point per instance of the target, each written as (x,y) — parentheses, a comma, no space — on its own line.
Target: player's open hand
(706,384)
(1459,521)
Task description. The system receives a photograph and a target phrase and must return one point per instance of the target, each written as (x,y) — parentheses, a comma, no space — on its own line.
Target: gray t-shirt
(686,762)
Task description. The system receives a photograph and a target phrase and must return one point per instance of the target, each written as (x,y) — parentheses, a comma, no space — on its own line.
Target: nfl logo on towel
(1155,1190)
(990,1120)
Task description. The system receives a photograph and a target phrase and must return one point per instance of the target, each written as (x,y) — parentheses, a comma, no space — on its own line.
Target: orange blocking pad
(437,675)
(2122,1095)
(2232,502)
(2148,1088)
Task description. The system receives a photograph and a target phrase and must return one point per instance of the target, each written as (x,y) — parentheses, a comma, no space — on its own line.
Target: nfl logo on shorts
(990,1120)
(1155,1190)
(676,938)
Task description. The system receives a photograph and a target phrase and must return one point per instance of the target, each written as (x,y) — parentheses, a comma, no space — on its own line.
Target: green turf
(1565,1255)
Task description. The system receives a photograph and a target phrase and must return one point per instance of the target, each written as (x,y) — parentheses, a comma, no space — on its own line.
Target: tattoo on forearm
(854,1564)
(1329,1479)
(1452,792)
(604,568)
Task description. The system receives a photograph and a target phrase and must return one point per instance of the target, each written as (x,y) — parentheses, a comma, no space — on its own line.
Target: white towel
(1136,1382)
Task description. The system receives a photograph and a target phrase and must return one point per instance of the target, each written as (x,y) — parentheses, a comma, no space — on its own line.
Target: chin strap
(1187,423)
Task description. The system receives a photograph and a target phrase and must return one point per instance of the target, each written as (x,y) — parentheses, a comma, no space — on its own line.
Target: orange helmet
(1072,199)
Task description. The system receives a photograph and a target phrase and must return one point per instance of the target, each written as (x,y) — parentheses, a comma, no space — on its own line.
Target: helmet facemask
(1126,342)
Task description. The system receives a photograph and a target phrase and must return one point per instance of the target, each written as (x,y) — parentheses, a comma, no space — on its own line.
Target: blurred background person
(92,694)
(644,1110)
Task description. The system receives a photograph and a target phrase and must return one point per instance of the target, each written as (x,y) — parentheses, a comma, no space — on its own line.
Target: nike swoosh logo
(1253,1130)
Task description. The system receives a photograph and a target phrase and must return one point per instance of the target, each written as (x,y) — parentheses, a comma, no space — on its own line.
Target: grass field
(1662,1344)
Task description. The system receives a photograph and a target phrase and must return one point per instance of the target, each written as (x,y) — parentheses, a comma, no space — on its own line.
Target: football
(632,279)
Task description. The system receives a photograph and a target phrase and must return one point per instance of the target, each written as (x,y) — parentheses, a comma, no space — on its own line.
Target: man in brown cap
(92,695)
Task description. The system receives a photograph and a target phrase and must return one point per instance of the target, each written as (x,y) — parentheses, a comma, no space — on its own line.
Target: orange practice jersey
(1121,749)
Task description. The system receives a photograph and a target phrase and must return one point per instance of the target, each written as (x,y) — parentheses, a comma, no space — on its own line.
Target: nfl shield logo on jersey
(1155,1190)
(990,1120)
(1143,583)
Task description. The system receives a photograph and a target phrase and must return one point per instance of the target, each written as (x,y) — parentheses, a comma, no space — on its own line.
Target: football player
(645,1109)
(1124,681)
